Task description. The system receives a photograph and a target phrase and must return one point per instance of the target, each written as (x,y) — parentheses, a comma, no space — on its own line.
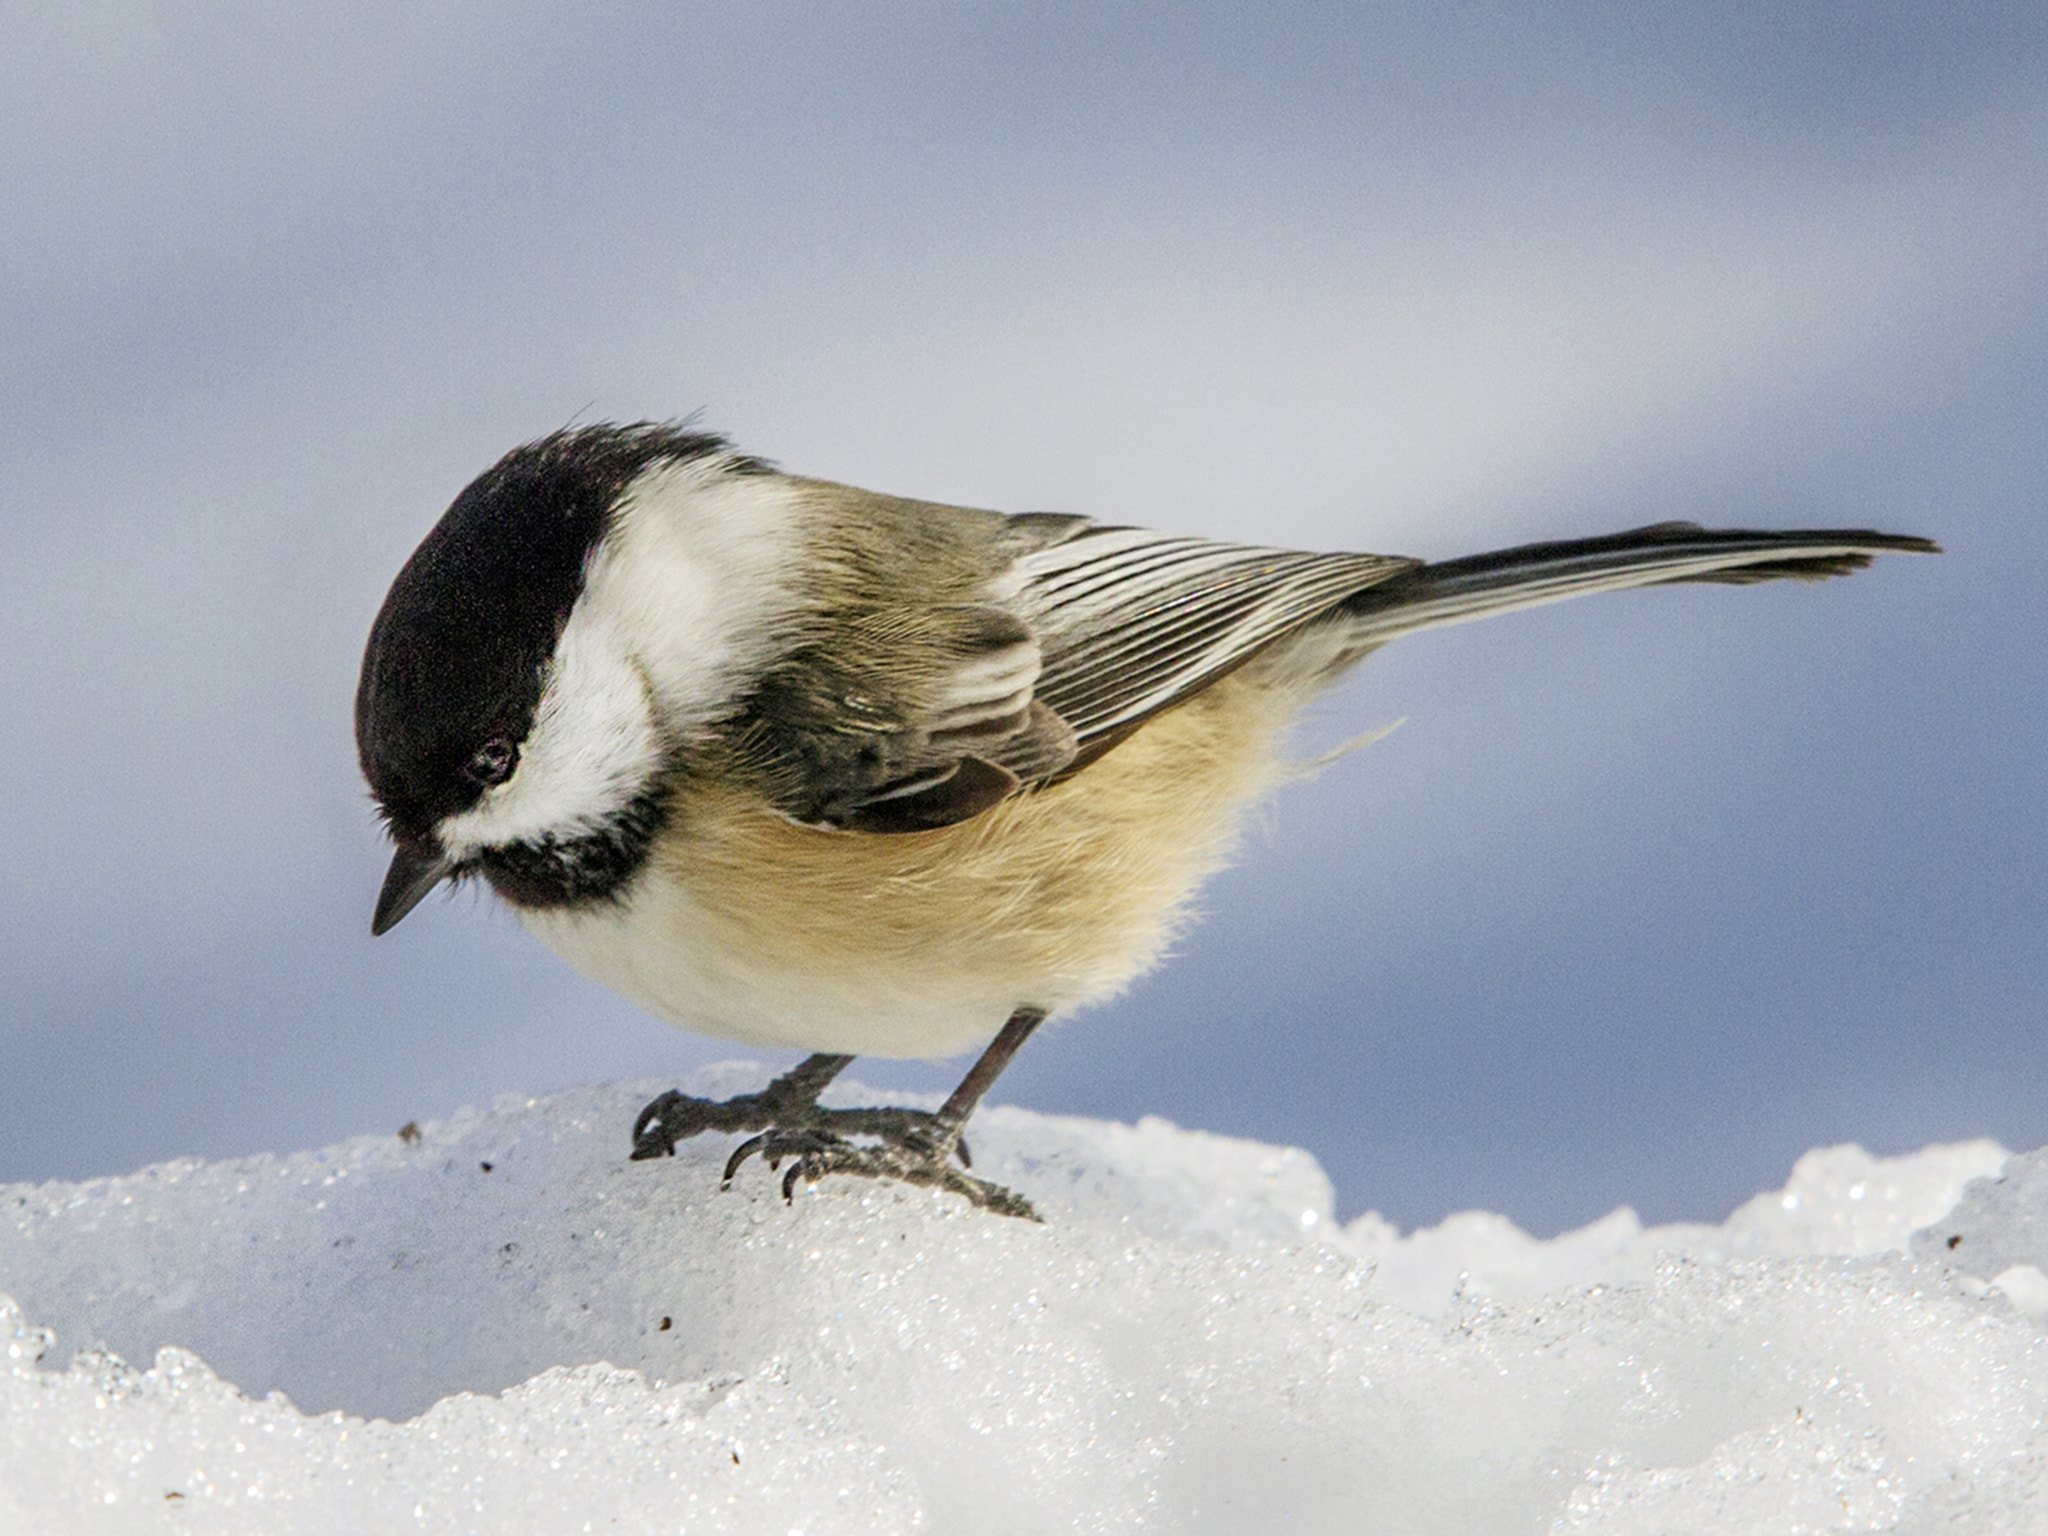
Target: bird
(807,766)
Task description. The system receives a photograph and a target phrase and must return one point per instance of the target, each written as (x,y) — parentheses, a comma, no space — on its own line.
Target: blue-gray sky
(1646,896)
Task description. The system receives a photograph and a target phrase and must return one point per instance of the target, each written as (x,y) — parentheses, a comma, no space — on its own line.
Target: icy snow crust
(1189,1343)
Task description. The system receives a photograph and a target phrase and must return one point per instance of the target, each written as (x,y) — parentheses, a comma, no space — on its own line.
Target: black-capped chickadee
(806,766)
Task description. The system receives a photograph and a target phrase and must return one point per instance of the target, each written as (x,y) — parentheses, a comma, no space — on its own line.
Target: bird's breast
(747,926)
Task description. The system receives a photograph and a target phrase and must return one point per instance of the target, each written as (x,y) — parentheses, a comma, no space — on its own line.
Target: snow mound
(1190,1343)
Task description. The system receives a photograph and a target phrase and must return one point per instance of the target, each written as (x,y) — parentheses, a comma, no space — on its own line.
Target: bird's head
(508,718)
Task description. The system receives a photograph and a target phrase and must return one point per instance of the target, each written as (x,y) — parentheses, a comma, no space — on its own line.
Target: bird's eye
(492,763)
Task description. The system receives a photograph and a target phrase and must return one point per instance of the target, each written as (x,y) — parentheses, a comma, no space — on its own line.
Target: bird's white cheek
(695,576)
(593,747)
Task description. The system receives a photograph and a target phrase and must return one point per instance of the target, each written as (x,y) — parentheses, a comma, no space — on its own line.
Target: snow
(502,1325)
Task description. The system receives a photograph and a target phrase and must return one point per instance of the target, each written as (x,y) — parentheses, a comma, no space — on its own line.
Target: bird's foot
(915,1146)
(922,1158)
(675,1117)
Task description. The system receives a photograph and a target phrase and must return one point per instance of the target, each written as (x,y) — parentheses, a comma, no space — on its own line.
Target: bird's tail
(1533,574)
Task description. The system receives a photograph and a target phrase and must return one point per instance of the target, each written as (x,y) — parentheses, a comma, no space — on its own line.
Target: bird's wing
(1131,622)
(905,719)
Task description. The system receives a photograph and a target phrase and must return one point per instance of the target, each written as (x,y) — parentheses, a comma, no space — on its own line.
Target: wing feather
(1130,622)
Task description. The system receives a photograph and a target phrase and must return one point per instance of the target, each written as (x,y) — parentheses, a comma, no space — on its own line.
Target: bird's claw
(813,1152)
(667,1120)
(674,1117)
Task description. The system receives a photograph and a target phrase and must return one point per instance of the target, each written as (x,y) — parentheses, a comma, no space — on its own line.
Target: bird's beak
(416,869)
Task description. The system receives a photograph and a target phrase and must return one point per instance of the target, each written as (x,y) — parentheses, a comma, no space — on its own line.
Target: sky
(1644,896)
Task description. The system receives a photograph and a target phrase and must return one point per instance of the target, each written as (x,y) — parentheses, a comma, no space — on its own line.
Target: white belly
(661,953)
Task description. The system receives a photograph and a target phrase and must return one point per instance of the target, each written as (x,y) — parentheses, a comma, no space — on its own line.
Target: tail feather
(1454,591)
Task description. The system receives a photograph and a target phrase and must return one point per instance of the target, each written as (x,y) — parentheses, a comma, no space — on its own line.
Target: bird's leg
(922,1157)
(788,1105)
